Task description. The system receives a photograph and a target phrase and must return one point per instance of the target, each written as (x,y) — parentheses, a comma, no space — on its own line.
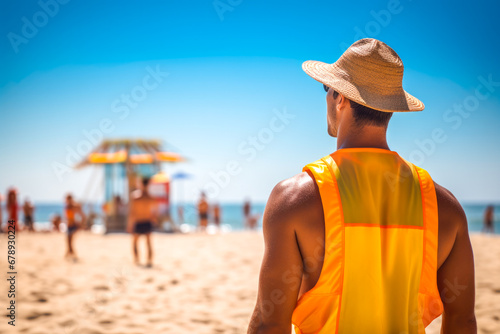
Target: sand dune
(199,283)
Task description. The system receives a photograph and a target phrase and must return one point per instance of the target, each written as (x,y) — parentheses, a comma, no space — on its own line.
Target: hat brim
(334,77)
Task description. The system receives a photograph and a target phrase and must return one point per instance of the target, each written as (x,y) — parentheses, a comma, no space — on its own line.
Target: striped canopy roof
(131,151)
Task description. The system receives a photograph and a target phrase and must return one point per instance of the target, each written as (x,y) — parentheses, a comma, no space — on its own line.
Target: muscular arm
(282,266)
(456,273)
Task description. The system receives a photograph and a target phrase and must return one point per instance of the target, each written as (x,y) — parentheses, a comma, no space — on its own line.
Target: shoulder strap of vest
(324,171)
(428,280)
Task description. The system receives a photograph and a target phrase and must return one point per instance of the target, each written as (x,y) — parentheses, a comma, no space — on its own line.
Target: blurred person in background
(216,211)
(247,210)
(252,221)
(12,207)
(142,216)
(488,219)
(28,210)
(203,208)
(56,221)
(120,208)
(74,219)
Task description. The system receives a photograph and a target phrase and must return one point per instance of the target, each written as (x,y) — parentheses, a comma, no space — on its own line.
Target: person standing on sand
(352,242)
(143,214)
(488,219)
(56,221)
(252,221)
(74,218)
(216,214)
(247,210)
(203,208)
(28,210)
(12,208)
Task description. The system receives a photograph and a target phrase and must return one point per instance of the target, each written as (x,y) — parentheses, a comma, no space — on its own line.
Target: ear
(342,103)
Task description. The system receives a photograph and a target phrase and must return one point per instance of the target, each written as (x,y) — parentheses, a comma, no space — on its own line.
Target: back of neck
(366,136)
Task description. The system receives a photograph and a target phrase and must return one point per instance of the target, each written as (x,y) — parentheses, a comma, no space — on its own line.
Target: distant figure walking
(12,207)
(118,206)
(143,215)
(247,210)
(72,211)
(28,210)
(216,211)
(488,219)
(203,212)
(56,221)
(252,221)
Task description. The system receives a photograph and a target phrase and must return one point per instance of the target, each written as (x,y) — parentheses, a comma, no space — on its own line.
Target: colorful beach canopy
(126,163)
(130,151)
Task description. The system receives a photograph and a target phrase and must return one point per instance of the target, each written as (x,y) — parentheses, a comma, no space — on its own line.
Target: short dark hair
(145,181)
(367,116)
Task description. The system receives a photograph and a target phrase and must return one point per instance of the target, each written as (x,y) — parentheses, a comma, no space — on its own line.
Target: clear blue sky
(230,69)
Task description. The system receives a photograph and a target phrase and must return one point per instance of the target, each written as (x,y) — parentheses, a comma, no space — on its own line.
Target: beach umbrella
(181,176)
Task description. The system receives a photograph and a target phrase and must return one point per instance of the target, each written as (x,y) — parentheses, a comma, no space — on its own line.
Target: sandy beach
(199,284)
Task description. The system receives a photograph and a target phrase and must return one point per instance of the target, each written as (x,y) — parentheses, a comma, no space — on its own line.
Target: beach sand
(199,284)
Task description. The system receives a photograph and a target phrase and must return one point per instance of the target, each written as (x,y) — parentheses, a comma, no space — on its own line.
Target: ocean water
(232,214)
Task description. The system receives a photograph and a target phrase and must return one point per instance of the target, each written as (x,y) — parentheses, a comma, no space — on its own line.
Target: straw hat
(369,73)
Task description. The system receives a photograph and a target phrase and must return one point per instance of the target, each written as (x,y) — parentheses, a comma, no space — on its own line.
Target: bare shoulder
(452,225)
(292,199)
(295,192)
(450,211)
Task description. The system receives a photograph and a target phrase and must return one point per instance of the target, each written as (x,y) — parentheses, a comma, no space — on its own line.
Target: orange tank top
(380,266)
(70,215)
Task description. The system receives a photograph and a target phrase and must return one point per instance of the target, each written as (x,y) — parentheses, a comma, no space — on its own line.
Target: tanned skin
(203,208)
(77,211)
(294,236)
(143,207)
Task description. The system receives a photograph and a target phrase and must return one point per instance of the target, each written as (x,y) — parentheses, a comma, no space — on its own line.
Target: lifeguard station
(126,162)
